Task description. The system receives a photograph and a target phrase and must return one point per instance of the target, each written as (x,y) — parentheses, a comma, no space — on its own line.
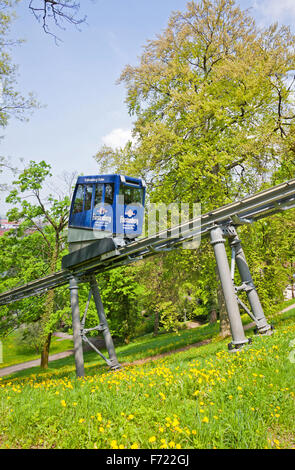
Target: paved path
(288,308)
(27,365)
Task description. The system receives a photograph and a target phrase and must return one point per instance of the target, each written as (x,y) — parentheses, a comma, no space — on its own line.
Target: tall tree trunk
(156,323)
(45,352)
(48,310)
(213,316)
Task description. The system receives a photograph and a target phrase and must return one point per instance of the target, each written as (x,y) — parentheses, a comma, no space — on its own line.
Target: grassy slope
(142,347)
(14,353)
(201,398)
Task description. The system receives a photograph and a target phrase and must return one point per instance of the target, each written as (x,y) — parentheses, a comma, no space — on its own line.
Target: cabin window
(98,194)
(88,197)
(109,193)
(79,198)
(131,195)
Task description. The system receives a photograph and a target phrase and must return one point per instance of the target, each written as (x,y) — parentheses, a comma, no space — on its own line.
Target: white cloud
(275,10)
(117,138)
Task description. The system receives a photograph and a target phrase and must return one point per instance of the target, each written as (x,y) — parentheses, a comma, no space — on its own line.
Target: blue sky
(76,81)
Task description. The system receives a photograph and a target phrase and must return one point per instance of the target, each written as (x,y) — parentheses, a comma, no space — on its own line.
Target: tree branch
(57,12)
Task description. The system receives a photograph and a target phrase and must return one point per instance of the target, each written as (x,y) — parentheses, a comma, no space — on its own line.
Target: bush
(30,337)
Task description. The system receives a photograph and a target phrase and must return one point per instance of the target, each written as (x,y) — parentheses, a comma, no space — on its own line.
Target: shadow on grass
(147,346)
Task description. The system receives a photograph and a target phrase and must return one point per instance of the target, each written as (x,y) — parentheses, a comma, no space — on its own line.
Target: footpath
(35,363)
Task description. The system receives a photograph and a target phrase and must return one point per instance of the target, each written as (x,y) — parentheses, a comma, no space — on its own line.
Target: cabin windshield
(131,195)
(109,193)
(98,194)
(88,197)
(79,198)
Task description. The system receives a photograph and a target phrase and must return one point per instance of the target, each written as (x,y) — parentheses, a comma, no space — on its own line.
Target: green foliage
(35,250)
(121,294)
(212,98)
(30,337)
(169,316)
(213,107)
(11,101)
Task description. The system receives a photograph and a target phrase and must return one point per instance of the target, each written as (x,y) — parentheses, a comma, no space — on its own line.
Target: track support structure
(78,347)
(237,331)
(218,236)
(79,331)
(248,286)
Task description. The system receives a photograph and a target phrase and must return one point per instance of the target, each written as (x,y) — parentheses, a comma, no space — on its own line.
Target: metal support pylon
(79,331)
(237,331)
(78,348)
(114,363)
(226,275)
(248,285)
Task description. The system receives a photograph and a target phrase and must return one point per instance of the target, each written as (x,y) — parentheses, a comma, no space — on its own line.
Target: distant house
(289,292)
(5,225)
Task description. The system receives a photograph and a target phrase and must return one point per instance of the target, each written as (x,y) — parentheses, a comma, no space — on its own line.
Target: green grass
(15,353)
(201,398)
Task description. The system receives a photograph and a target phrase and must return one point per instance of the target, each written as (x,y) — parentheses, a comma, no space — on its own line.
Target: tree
(11,102)
(57,13)
(213,103)
(212,100)
(122,295)
(49,218)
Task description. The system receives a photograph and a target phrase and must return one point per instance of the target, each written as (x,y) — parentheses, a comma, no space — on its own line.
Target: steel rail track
(247,210)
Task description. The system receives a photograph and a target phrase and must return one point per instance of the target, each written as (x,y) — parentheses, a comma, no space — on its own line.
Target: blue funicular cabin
(106,206)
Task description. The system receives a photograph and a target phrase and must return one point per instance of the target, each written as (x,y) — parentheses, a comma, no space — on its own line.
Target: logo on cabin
(130,213)
(99,214)
(102,211)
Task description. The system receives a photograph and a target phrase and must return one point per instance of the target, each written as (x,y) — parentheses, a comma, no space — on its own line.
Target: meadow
(203,397)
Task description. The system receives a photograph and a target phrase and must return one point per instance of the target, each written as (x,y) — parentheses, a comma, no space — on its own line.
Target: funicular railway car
(106,206)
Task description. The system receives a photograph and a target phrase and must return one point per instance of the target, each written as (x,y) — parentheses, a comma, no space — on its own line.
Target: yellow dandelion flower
(135,446)
(114,444)
(152,439)
(205,420)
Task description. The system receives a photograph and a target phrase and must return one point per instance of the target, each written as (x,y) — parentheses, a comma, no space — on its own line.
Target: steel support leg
(246,278)
(231,303)
(103,323)
(78,349)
